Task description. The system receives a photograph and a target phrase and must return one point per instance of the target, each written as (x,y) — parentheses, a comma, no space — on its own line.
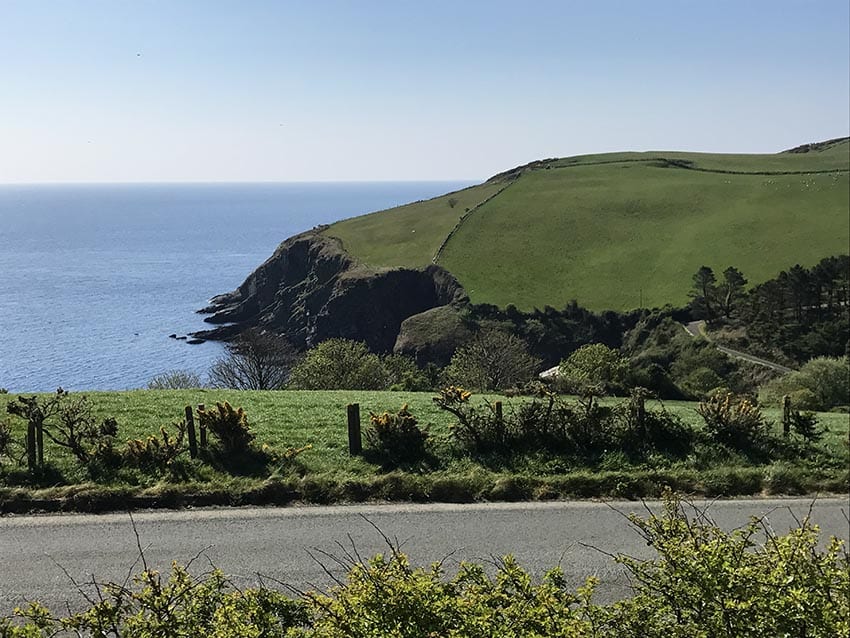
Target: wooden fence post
(202,428)
(31,447)
(39,442)
(499,411)
(786,415)
(355,443)
(190,429)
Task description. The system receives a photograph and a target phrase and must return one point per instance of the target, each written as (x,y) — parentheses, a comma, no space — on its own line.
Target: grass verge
(326,473)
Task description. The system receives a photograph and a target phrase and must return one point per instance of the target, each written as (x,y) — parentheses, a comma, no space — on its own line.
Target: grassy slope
(600,228)
(415,231)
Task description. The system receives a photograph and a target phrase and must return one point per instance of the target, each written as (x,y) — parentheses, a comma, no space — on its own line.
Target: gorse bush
(157,453)
(229,425)
(397,436)
(734,421)
(702,581)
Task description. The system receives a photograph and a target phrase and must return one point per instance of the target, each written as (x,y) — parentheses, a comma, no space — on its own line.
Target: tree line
(802,312)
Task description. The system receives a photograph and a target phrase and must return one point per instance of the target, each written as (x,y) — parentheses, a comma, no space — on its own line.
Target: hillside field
(621,230)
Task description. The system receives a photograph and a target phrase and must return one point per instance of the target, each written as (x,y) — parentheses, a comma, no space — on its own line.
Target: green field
(615,231)
(327,473)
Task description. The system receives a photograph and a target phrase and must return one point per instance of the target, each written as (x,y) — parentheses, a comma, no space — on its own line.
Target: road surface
(37,551)
(697,329)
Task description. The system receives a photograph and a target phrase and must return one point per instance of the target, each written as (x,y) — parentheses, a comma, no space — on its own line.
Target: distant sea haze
(93,278)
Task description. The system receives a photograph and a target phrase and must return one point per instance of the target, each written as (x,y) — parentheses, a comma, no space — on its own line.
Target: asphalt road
(40,554)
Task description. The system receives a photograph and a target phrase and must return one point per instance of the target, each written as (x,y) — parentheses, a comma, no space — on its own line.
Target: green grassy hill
(609,230)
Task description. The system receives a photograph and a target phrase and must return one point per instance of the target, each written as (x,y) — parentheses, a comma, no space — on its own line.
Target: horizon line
(240,182)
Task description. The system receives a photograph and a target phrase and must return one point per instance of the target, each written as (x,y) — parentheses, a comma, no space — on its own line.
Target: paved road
(278,541)
(697,329)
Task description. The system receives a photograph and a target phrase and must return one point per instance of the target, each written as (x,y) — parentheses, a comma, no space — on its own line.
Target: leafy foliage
(157,453)
(340,364)
(702,581)
(229,425)
(734,421)
(827,380)
(580,429)
(397,436)
(66,420)
(594,367)
(492,360)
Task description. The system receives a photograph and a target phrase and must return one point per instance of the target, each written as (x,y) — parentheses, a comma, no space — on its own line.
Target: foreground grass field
(619,230)
(327,473)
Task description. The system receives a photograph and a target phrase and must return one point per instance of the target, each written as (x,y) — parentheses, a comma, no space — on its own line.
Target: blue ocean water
(93,278)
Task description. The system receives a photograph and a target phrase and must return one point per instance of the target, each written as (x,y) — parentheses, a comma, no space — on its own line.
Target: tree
(731,289)
(340,364)
(492,360)
(256,360)
(704,291)
(593,366)
(175,380)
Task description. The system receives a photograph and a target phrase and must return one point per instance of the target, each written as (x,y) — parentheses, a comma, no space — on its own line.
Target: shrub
(646,431)
(7,441)
(805,424)
(593,367)
(66,420)
(154,452)
(255,360)
(229,426)
(404,375)
(175,380)
(340,364)
(397,436)
(176,603)
(820,384)
(475,431)
(492,360)
(701,382)
(734,421)
(701,581)
(579,428)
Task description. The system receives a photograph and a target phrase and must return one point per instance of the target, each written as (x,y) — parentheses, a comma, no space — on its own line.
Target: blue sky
(120,91)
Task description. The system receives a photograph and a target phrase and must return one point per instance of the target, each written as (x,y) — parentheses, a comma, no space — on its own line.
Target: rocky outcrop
(310,290)
(432,336)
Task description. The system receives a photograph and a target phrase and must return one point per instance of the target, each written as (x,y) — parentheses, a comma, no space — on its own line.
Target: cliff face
(310,290)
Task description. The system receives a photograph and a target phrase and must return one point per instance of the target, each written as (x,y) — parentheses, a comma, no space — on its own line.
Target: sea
(94,278)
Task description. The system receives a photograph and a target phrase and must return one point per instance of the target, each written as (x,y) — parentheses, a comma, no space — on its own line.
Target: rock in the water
(195,341)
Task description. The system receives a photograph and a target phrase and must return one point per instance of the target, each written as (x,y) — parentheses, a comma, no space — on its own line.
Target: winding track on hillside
(697,329)
(40,554)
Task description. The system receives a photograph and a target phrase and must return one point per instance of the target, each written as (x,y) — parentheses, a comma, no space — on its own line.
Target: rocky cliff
(310,290)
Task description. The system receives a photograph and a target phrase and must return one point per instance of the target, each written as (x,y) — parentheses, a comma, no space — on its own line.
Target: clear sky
(321,90)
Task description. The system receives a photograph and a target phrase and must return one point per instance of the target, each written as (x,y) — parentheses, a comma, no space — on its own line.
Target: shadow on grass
(251,462)
(47,475)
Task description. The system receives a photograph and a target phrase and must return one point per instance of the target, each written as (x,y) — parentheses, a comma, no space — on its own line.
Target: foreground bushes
(702,582)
